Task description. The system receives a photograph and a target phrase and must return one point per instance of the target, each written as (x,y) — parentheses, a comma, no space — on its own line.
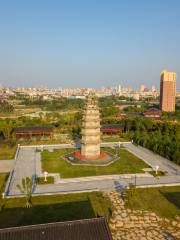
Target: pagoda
(90,152)
(91,134)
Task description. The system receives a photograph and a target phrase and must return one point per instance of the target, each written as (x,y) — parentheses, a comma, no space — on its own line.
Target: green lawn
(50,180)
(159,173)
(7,152)
(51,208)
(3,178)
(165,201)
(54,163)
(114,139)
(54,208)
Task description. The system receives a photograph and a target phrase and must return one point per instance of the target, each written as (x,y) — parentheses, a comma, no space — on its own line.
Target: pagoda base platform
(105,158)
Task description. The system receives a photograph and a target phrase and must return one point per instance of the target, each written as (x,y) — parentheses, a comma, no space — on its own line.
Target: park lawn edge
(54,162)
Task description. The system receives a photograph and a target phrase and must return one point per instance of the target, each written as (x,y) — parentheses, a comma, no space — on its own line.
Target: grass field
(114,139)
(53,162)
(7,152)
(54,208)
(159,173)
(165,201)
(3,178)
(50,180)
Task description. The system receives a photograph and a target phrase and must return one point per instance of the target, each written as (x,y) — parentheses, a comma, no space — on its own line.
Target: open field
(7,152)
(165,201)
(114,139)
(52,208)
(53,162)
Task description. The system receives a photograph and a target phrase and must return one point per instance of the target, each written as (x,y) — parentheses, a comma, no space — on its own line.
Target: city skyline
(88,44)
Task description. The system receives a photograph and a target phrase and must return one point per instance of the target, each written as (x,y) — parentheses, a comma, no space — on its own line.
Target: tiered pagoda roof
(90,143)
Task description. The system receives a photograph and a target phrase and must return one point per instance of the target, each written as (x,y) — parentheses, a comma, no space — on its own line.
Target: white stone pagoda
(91,134)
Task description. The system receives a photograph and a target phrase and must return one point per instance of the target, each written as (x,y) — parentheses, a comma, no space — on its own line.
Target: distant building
(153,89)
(29,132)
(135,96)
(142,88)
(152,113)
(112,129)
(167,91)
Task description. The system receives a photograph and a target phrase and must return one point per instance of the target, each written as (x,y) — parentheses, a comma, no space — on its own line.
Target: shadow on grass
(118,186)
(173,197)
(13,217)
(2,186)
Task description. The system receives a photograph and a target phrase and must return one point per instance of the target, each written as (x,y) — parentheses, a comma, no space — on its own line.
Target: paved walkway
(24,167)
(28,164)
(106,184)
(93,185)
(6,166)
(153,159)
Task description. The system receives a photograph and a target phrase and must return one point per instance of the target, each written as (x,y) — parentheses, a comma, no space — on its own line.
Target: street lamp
(156,169)
(45,176)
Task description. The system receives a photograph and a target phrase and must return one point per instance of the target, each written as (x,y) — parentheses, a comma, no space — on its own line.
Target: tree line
(5,107)
(162,137)
(54,105)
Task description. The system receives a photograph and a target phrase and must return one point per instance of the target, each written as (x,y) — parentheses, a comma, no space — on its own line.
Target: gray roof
(86,229)
(34,129)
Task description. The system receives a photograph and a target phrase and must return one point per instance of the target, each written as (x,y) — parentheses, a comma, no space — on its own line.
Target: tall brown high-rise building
(167,91)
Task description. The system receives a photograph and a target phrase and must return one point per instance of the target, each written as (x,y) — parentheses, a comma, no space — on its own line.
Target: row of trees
(5,107)
(66,123)
(160,137)
(54,105)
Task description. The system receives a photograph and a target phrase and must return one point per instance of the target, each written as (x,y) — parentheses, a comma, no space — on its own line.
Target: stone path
(127,224)
(25,166)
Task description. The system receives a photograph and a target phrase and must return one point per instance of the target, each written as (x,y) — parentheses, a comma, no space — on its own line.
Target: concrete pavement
(28,164)
(105,184)
(25,166)
(153,159)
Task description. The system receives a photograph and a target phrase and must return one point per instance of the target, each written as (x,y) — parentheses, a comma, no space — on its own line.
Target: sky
(88,43)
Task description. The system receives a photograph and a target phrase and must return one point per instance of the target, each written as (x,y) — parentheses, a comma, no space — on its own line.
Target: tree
(5,107)
(26,188)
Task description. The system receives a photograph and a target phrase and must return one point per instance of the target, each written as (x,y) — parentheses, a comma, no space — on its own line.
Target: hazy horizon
(88,43)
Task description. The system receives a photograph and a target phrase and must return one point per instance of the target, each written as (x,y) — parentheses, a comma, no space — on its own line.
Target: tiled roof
(88,229)
(34,129)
